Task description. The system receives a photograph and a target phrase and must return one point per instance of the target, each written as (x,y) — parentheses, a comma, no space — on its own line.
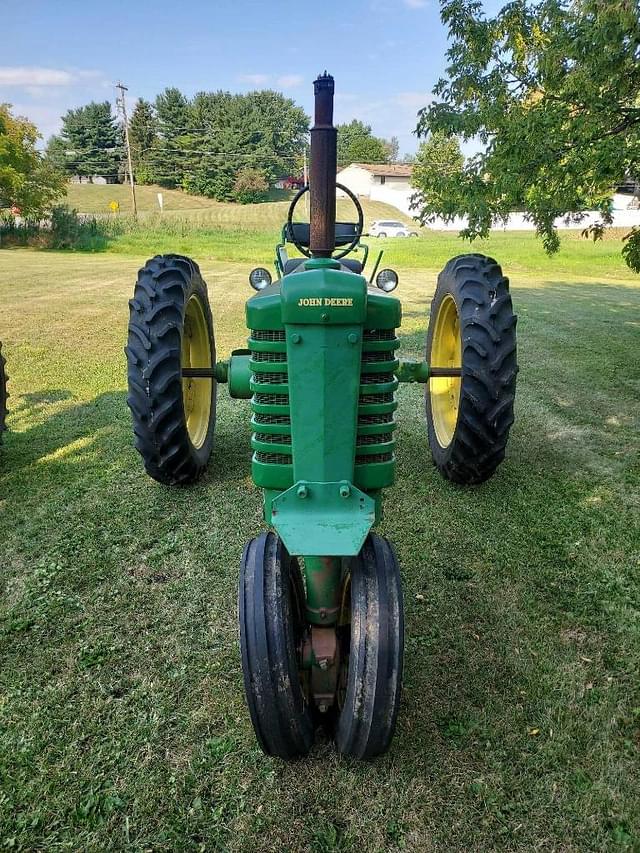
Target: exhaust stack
(322,178)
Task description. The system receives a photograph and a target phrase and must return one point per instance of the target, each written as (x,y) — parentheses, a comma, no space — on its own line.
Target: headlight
(387,280)
(259,278)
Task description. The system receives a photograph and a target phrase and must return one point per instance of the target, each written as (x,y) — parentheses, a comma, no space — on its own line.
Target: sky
(386,55)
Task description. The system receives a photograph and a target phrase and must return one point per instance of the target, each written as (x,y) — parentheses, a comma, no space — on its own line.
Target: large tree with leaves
(28,181)
(551,90)
(438,164)
(357,144)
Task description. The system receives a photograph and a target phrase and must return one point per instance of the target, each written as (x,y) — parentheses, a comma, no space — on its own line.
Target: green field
(92,198)
(122,718)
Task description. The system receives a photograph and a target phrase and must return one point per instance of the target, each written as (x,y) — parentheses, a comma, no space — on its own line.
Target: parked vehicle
(390,228)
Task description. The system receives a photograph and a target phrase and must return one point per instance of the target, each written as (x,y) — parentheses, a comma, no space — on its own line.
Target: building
(380,182)
(93,179)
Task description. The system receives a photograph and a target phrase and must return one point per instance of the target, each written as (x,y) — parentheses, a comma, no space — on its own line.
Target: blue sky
(386,55)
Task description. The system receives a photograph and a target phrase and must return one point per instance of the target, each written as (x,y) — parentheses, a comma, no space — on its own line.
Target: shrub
(250,186)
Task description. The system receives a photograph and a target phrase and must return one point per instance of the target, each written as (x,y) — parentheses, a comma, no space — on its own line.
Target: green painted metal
(222,371)
(239,374)
(413,371)
(318,519)
(302,348)
(323,576)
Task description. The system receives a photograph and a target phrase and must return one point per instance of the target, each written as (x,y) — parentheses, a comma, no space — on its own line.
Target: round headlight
(387,280)
(259,278)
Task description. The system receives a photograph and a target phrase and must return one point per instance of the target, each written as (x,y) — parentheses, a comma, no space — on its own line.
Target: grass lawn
(93,198)
(122,717)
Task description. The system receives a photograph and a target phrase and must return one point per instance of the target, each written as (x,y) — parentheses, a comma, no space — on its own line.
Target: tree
(261,131)
(392,147)
(143,136)
(550,89)
(250,186)
(357,144)
(438,166)
(92,140)
(28,181)
(171,161)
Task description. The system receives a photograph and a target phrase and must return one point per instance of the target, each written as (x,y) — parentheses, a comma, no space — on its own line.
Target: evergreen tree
(143,137)
(93,141)
(171,162)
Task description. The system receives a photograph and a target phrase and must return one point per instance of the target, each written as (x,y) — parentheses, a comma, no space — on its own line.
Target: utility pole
(123,106)
(305,175)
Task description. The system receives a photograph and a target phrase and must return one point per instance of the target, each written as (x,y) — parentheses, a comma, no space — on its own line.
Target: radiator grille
(269,356)
(377,427)
(370,399)
(365,420)
(374,438)
(373,356)
(268,335)
(272,419)
(270,378)
(273,458)
(375,378)
(378,335)
(273,437)
(374,457)
(271,399)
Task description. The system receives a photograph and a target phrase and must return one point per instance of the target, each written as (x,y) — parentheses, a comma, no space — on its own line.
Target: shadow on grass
(103,427)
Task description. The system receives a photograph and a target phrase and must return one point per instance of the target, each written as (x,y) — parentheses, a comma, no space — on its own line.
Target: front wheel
(472,332)
(271,608)
(371,633)
(170,329)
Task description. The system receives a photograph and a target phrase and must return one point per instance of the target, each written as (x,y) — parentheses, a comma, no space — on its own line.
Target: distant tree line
(231,147)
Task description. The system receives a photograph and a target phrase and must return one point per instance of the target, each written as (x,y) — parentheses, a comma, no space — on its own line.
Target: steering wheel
(359,226)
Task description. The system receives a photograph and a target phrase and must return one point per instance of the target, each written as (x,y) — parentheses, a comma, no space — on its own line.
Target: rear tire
(3,394)
(471,326)
(372,650)
(271,606)
(171,327)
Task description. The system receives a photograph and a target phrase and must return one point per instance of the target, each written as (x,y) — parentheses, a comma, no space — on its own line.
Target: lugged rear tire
(472,326)
(170,326)
(3,394)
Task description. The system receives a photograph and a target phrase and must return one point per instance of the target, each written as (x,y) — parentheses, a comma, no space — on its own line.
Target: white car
(390,228)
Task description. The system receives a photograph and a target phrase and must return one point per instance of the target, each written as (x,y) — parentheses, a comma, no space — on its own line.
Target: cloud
(414,100)
(255,79)
(287,81)
(415,4)
(35,79)
(396,115)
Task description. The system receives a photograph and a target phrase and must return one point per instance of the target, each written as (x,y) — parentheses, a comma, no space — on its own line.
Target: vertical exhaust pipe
(322,178)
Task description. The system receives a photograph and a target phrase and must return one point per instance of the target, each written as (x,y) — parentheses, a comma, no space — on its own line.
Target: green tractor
(320,598)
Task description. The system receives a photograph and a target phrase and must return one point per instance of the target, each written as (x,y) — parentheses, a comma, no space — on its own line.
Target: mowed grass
(94,198)
(122,718)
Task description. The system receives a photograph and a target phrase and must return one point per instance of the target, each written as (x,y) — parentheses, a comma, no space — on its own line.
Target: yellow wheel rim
(196,352)
(446,351)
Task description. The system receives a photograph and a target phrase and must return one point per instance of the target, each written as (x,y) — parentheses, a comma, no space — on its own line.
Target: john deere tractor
(320,598)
